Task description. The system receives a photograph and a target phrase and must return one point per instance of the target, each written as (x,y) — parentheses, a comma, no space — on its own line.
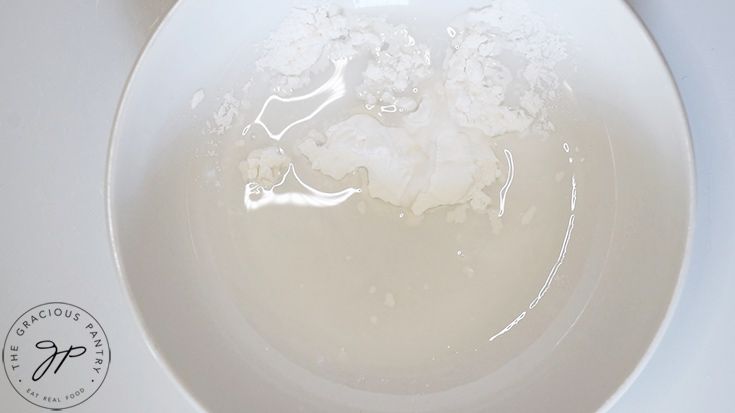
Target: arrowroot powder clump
(432,149)
(477,82)
(317,32)
(423,164)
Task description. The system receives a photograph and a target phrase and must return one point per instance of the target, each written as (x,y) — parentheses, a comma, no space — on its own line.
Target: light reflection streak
(334,89)
(557,265)
(310,198)
(509,326)
(508,182)
(559,261)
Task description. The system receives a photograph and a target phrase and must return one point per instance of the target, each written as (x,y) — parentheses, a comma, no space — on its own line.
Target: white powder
(477,82)
(226,114)
(229,110)
(497,77)
(264,166)
(197,98)
(316,32)
(422,165)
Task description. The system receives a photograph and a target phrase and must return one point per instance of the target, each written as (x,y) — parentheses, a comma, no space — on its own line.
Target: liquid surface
(369,294)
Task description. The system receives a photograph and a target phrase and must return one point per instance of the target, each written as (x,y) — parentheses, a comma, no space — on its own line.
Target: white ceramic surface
(613,316)
(53,229)
(52,164)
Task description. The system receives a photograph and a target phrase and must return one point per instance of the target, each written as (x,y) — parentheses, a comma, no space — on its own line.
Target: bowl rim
(691,220)
(141,325)
(188,393)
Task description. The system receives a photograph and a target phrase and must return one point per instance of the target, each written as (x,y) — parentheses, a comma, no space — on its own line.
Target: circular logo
(56,355)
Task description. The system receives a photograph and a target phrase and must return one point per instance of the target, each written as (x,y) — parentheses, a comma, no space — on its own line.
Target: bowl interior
(622,258)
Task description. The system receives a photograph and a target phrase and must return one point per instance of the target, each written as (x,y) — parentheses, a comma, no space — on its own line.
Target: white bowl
(626,256)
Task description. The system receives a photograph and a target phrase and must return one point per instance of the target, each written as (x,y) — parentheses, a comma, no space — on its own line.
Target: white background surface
(63,65)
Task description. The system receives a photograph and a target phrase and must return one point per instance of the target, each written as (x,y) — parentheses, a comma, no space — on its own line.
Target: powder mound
(435,165)
(316,32)
(264,166)
(497,77)
(478,84)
